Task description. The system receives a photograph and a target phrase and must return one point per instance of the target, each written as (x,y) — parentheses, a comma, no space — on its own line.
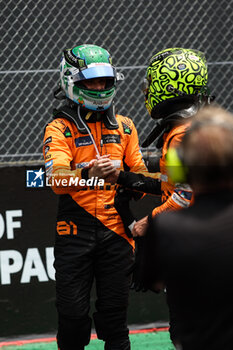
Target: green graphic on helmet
(174,74)
(86,62)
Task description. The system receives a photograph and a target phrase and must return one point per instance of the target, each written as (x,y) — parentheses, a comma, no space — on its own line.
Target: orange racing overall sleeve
(176,196)
(132,153)
(57,150)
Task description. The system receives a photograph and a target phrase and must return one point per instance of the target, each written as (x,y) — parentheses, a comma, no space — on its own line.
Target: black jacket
(192,252)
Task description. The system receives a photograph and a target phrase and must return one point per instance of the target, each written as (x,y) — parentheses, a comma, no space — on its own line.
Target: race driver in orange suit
(91,242)
(175,88)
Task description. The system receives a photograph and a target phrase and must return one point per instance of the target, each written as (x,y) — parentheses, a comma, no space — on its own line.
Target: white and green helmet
(87,62)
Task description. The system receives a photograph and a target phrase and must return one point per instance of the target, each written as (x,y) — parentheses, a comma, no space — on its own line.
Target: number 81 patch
(63,228)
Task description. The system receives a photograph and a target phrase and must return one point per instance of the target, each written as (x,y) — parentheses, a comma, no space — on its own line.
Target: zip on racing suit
(90,238)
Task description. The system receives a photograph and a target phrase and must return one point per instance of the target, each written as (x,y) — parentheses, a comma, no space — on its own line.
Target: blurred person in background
(91,242)
(190,251)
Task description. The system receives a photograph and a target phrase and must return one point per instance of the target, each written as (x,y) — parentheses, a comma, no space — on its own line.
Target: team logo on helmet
(83,63)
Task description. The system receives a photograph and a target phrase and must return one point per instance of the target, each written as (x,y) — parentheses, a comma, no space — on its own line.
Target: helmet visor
(97,71)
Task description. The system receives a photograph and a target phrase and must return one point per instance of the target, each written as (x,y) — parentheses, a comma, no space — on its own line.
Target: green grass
(141,341)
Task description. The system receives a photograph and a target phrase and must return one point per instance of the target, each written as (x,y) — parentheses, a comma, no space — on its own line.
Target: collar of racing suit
(81,116)
(164,125)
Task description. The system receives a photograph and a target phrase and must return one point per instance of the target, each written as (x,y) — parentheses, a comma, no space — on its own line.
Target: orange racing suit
(174,197)
(65,146)
(90,238)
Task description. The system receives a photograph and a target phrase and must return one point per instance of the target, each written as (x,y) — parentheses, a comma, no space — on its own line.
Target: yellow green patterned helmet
(86,62)
(175,79)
